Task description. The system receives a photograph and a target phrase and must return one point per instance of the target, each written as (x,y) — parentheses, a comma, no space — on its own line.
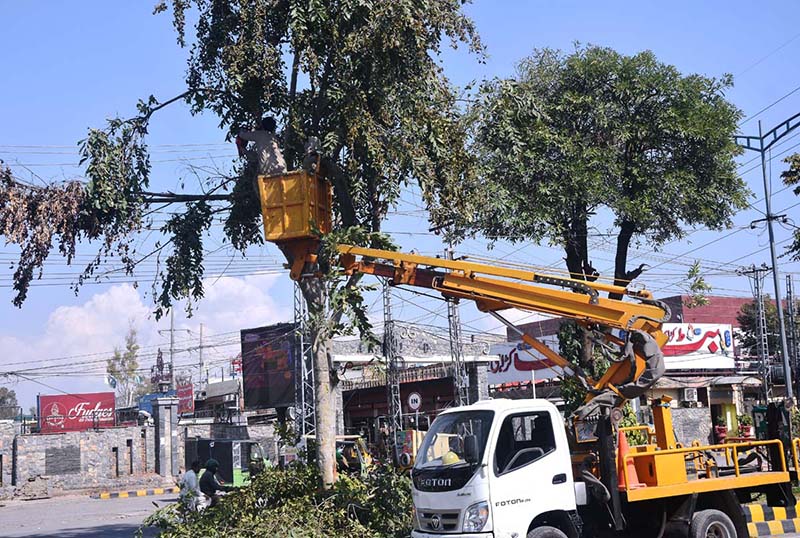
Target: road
(78,516)
(82,517)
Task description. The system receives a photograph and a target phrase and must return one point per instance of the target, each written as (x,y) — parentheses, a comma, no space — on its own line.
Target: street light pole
(765,143)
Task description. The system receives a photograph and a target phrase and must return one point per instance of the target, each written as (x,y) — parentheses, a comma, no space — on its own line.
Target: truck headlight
(414,520)
(476,516)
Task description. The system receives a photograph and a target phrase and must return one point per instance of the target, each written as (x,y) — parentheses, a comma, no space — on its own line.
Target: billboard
(519,363)
(185,399)
(699,346)
(75,412)
(268,359)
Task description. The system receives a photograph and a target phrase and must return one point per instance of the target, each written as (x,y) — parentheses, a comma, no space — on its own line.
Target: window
(523,439)
(115,455)
(129,442)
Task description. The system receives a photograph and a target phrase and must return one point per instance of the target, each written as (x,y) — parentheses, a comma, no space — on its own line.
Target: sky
(69,66)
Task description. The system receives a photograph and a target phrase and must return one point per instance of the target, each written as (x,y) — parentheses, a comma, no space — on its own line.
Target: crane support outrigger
(504,468)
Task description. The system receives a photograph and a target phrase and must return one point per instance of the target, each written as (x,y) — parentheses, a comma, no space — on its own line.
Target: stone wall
(692,423)
(107,458)
(7,433)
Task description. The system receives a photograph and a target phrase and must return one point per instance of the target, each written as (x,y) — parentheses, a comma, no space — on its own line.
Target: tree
(748,323)
(575,141)
(792,177)
(9,407)
(361,76)
(123,367)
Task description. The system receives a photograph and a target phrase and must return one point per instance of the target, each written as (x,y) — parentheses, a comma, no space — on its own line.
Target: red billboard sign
(185,399)
(76,412)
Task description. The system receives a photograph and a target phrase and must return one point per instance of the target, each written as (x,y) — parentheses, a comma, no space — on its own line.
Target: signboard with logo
(268,359)
(698,346)
(519,363)
(185,398)
(414,401)
(75,412)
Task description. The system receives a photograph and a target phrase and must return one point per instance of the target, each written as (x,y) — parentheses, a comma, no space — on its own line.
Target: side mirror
(471,449)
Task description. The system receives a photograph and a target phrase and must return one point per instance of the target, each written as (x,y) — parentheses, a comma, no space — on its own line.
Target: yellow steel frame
(707,484)
(498,288)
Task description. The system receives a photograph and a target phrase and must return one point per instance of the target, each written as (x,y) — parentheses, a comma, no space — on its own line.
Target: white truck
(511,471)
(505,469)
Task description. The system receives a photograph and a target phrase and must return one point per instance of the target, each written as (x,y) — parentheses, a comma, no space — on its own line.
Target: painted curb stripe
(755,513)
(137,493)
(773,528)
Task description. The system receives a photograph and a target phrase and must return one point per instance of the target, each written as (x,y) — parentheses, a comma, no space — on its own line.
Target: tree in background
(123,369)
(361,76)
(596,138)
(792,177)
(748,323)
(9,407)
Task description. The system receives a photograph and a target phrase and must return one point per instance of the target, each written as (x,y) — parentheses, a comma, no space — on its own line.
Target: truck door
(530,473)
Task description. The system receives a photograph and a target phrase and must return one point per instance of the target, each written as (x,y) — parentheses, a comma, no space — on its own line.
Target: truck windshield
(443,445)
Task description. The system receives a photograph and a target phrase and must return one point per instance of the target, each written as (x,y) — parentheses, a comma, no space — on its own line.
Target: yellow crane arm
(495,288)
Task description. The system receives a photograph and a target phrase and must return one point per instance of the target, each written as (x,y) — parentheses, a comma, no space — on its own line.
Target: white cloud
(100,324)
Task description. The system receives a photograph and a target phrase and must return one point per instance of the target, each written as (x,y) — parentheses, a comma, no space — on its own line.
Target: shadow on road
(104,531)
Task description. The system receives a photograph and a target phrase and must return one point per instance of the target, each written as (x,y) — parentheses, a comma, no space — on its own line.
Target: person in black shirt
(209,484)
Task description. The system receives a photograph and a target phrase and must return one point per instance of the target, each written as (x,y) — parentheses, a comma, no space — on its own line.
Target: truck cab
(496,468)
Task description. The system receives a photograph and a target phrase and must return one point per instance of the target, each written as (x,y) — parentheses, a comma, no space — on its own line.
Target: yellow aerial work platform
(293,203)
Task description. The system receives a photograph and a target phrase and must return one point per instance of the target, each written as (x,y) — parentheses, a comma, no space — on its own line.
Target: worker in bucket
(266,153)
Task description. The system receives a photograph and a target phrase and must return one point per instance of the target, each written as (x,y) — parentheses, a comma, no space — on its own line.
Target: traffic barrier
(763,520)
(135,493)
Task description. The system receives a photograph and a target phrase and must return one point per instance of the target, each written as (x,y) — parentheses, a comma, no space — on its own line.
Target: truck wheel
(546,532)
(711,524)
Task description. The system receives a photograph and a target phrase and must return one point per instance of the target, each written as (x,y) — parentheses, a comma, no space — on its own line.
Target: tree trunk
(576,249)
(324,380)
(623,277)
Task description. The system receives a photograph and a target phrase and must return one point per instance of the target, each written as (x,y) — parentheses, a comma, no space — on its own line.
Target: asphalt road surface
(78,516)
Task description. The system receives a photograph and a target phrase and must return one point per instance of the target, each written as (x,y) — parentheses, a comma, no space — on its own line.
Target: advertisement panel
(519,363)
(699,346)
(185,399)
(146,401)
(268,358)
(75,412)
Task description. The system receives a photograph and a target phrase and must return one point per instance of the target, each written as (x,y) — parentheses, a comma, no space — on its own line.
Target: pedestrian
(190,486)
(209,484)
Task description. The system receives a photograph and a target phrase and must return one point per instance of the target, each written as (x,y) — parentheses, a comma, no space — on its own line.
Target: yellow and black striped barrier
(135,493)
(763,520)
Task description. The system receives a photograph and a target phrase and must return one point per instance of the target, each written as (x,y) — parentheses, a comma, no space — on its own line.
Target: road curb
(134,493)
(763,520)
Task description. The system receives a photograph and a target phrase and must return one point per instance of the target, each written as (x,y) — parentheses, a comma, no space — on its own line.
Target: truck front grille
(448,520)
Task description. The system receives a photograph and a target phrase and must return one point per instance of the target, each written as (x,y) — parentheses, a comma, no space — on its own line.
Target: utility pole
(171,332)
(305,409)
(171,348)
(757,276)
(794,346)
(202,366)
(460,379)
(762,144)
(392,371)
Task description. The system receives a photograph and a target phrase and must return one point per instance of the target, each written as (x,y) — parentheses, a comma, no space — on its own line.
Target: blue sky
(68,66)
